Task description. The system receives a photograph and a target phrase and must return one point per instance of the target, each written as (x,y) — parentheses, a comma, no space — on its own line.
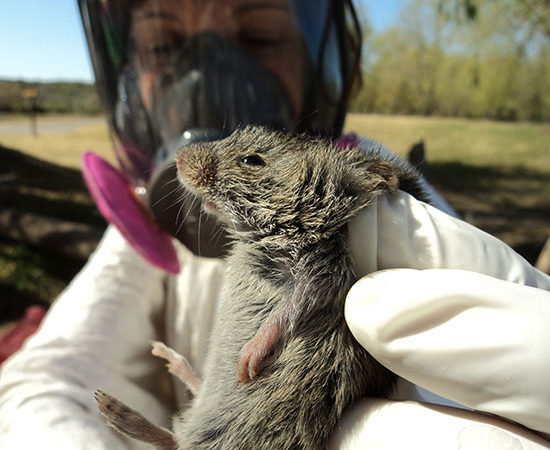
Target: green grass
(496,174)
(64,148)
(471,142)
(30,276)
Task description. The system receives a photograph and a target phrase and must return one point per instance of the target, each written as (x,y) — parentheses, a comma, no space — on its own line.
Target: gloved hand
(460,314)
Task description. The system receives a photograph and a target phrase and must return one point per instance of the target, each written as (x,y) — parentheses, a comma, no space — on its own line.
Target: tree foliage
(462,58)
(56,97)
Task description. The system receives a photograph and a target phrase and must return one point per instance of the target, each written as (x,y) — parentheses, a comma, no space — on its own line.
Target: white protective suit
(98,335)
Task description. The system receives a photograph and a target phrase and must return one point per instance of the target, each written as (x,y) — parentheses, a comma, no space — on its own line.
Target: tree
(476,58)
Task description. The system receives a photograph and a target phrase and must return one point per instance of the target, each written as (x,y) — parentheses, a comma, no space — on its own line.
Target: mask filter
(178,211)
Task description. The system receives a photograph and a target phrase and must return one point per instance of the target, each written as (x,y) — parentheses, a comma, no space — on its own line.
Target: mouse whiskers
(184,202)
(201,212)
(167,195)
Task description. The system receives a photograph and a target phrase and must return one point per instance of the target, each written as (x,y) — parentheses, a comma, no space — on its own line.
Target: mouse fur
(286,201)
(282,366)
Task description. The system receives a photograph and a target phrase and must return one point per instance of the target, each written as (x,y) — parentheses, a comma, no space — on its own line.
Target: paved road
(47,125)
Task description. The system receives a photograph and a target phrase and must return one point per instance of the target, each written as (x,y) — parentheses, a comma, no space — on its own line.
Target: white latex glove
(469,320)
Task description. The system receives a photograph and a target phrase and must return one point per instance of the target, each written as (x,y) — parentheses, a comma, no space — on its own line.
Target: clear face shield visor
(173,72)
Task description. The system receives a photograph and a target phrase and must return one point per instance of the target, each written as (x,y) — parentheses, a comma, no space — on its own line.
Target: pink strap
(347,140)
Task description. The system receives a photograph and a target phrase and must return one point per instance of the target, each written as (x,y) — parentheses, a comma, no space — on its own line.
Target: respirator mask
(206,87)
(210,89)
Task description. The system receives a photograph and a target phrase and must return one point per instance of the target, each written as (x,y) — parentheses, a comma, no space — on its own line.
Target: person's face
(264,29)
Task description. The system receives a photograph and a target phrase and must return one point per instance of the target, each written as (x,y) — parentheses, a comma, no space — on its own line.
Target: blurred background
(460,87)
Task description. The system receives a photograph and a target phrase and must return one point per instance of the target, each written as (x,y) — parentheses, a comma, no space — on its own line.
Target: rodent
(282,365)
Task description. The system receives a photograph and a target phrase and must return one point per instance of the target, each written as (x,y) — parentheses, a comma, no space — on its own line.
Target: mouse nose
(197,168)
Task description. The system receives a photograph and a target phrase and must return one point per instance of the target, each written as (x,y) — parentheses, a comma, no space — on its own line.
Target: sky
(43,40)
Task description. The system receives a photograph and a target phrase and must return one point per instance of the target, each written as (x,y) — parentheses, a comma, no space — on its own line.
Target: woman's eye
(259,40)
(164,49)
(159,53)
(253,160)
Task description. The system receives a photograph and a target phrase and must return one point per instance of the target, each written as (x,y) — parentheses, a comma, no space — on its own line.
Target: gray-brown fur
(290,261)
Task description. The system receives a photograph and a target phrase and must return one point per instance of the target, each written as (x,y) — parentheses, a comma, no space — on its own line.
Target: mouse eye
(253,160)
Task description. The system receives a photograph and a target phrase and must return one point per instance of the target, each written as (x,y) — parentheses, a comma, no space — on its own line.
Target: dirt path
(48,125)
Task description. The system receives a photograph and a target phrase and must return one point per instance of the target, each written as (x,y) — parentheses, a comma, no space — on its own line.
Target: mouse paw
(178,366)
(256,349)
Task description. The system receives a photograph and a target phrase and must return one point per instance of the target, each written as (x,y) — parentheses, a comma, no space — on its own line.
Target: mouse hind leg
(178,366)
(132,424)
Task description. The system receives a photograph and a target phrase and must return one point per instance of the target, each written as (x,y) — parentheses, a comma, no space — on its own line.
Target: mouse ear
(372,178)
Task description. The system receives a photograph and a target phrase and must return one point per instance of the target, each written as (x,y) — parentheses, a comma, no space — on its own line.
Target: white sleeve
(96,335)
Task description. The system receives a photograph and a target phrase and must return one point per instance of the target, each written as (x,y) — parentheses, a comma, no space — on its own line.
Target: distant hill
(57,97)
